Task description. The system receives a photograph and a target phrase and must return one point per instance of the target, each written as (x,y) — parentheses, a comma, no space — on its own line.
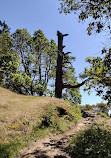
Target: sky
(43,14)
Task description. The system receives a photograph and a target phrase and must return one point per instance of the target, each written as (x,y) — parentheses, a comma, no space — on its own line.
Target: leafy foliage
(71,94)
(4,28)
(91,143)
(99,71)
(86,107)
(9,61)
(99,11)
(102,107)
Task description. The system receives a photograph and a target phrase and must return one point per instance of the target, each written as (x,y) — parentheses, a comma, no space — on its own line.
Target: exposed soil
(54,146)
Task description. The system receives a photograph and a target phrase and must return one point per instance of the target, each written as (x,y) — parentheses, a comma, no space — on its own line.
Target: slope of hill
(24,118)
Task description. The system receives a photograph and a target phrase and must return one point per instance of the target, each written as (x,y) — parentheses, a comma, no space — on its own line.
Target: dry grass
(104,123)
(18,113)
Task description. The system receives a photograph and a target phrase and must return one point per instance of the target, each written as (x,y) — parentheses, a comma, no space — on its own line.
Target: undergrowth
(94,142)
(8,149)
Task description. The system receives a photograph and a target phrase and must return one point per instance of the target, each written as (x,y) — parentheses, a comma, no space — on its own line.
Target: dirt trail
(54,146)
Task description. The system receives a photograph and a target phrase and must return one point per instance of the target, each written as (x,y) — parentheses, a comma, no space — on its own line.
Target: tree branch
(76,86)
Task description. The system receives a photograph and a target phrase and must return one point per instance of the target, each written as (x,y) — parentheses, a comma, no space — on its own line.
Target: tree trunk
(59,82)
(59,85)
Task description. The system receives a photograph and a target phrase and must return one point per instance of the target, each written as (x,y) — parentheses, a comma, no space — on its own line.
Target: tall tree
(41,46)
(66,73)
(59,71)
(50,58)
(8,57)
(23,46)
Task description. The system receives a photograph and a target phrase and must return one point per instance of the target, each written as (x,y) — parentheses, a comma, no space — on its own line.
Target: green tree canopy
(4,28)
(8,59)
(99,12)
(100,73)
(72,94)
(102,107)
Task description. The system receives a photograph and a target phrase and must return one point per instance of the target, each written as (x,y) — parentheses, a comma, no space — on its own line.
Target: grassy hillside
(26,118)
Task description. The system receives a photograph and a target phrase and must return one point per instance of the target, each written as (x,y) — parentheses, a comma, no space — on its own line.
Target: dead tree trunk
(59,85)
(59,82)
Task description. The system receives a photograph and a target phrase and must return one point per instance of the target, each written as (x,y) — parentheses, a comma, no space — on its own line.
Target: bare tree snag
(59,82)
(59,85)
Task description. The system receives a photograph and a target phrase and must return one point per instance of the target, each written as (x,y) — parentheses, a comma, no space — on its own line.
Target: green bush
(58,118)
(86,107)
(76,112)
(102,107)
(94,142)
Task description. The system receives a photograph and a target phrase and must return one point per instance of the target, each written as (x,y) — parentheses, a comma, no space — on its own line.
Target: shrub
(94,142)
(86,107)
(102,107)
(76,112)
(59,118)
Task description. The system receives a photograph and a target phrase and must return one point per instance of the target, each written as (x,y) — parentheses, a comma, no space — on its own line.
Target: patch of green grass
(8,149)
